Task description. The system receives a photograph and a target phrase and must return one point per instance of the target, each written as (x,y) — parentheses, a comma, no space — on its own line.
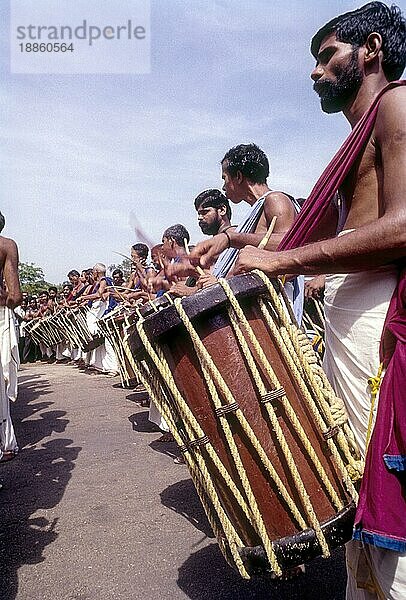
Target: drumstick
(123,255)
(265,240)
(120,287)
(266,237)
(198,268)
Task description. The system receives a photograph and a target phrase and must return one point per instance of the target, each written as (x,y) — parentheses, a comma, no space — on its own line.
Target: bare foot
(179,460)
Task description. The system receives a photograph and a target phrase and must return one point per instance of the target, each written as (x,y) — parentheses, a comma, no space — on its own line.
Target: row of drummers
(255,444)
(86,323)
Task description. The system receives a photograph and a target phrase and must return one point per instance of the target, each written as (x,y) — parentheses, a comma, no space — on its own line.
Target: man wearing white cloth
(10,297)
(245,170)
(102,358)
(358,56)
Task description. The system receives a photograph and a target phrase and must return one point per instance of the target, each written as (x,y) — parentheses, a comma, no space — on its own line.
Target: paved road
(94,508)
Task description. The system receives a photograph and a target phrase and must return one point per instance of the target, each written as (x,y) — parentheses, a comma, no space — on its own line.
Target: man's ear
(222,210)
(239,176)
(373,46)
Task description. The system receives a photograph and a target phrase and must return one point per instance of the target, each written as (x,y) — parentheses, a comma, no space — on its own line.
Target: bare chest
(360,195)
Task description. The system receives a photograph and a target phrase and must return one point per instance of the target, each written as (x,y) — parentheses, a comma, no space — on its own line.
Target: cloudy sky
(83,154)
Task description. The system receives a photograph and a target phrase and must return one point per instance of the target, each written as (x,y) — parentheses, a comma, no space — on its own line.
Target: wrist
(227,236)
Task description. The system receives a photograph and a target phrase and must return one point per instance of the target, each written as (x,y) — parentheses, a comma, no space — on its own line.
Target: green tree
(125,266)
(32,278)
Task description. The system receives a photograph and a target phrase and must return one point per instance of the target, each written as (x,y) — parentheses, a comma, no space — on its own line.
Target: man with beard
(213,212)
(360,244)
(245,171)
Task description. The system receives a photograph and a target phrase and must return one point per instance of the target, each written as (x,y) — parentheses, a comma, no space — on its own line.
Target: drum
(314,323)
(113,326)
(79,333)
(32,329)
(263,435)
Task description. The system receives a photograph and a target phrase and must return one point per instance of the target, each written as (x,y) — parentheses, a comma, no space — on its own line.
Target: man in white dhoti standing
(361,246)
(102,359)
(10,297)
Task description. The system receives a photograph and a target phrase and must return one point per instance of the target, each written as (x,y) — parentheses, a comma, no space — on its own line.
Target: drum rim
(303,546)
(158,323)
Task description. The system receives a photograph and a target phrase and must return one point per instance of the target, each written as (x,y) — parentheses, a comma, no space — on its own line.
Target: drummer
(10,297)
(213,212)
(361,249)
(102,359)
(245,170)
(172,252)
(118,278)
(214,216)
(136,281)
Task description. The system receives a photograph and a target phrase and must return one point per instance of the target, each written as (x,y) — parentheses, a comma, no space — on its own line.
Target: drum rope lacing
(196,463)
(301,358)
(300,350)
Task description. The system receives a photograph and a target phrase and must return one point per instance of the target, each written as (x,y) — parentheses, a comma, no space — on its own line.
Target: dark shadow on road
(35,480)
(206,576)
(141,423)
(182,498)
(169,448)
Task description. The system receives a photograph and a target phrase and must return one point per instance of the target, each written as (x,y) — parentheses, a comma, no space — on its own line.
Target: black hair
(178,233)
(2,222)
(52,289)
(67,284)
(141,249)
(117,272)
(42,292)
(354,28)
(250,160)
(213,199)
(73,273)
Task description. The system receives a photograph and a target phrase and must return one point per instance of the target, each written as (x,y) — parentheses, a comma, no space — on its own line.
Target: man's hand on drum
(315,286)
(250,258)
(180,289)
(206,280)
(180,270)
(205,253)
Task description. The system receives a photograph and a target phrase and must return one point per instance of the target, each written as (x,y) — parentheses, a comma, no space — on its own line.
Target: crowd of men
(350,234)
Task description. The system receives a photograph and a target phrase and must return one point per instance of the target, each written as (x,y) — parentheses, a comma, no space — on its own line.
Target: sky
(83,156)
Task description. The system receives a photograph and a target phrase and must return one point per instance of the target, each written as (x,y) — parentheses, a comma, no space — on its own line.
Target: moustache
(321,87)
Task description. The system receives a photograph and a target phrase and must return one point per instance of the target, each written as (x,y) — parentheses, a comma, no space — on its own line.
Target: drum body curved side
(212,323)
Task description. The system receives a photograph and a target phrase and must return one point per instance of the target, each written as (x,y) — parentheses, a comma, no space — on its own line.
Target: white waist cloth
(9,364)
(101,358)
(355,307)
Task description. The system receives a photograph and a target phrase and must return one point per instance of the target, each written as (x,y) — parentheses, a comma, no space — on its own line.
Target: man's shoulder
(392,105)
(7,242)
(277,195)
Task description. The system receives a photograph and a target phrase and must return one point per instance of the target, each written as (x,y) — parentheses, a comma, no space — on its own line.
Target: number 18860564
(43,47)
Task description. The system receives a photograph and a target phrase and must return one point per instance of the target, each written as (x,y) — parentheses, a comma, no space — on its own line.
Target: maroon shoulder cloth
(381,512)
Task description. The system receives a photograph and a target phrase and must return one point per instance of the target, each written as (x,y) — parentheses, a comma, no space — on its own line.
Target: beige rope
(210,372)
(277,385)
(191,430)
(315,384)
(205,479)
(297,479)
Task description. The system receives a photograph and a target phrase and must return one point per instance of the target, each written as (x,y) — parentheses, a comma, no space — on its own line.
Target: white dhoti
(355,308)
(62,351)
(156,417)
(10,362)
(103,357)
